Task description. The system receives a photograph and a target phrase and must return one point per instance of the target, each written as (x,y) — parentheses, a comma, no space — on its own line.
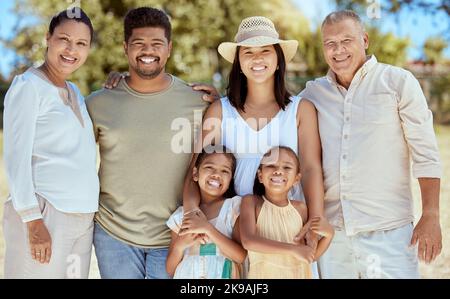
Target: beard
(148,74)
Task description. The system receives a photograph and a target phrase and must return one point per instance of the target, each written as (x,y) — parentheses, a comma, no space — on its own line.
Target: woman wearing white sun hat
(259,113)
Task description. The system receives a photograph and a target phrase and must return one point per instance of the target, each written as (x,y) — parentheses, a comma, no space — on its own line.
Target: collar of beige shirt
(361,73)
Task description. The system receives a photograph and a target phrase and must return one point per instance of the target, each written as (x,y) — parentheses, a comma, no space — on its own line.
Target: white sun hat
(257,32)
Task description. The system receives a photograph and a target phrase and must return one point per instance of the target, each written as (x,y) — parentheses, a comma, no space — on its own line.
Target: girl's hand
(114,79)
(303,253)
(40,241)
(320,226)
(195,223)
(188,240)
(300,238)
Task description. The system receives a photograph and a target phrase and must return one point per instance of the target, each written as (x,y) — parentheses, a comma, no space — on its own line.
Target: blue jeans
(118,260)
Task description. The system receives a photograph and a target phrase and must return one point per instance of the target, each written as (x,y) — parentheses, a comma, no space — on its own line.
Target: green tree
(313,54)
(394,6)
(198,28)
(433,8)
(433,50)
(387,47)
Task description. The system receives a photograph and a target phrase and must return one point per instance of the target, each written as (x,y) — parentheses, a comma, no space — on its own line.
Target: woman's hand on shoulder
(114,79)
(211,94)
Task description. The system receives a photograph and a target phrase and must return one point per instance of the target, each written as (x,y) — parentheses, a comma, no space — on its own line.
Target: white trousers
(71,244)
(379,254)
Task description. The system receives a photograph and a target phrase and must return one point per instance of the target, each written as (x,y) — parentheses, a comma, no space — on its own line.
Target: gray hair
(341,15)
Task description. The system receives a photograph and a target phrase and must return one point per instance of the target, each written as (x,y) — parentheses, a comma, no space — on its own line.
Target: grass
(439,269)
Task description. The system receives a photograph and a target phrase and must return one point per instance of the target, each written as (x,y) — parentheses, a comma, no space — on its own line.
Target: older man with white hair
(374,120)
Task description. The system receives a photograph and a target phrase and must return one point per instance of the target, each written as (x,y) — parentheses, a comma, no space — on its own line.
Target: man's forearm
(312,184)
(430,192)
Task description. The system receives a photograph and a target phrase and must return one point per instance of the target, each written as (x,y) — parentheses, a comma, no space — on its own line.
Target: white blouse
(49,152)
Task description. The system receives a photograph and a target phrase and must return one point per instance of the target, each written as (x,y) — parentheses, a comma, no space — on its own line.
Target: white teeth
(68,58)
(340,60)
(214,183)
(258,68)
(147,60)
(277,180)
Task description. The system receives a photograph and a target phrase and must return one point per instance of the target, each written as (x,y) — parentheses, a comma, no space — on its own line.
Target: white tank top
(249,145)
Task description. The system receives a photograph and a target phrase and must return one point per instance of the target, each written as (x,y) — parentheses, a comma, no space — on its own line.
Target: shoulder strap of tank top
(227,109)
(293,106)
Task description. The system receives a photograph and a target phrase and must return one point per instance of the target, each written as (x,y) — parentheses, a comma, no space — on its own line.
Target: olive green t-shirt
(145,142)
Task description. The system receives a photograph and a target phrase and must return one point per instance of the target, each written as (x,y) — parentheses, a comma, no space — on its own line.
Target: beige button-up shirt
(370,133)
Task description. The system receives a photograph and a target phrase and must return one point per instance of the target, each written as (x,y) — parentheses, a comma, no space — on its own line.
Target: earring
(278,67)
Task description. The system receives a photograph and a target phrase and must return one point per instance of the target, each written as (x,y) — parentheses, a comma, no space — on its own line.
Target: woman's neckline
(42,75)
(261,129)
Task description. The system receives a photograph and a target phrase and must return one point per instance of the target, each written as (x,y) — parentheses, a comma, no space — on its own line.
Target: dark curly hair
(67,15)
(146,17)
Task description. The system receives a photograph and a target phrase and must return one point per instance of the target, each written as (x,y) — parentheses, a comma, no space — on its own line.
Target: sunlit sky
(414,24)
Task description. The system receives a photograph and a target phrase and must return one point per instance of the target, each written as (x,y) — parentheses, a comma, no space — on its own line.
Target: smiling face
(68,46)
(258,63)
(214,174)
(279,171)
(344,45)
(148,50)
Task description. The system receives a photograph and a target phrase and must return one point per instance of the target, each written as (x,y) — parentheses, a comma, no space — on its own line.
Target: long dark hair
(219,149)
(237,86)
(258,187)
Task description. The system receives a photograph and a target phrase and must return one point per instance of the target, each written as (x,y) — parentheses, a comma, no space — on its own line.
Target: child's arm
(251,241)
(198,224)
(211,130)
(177,247)
(229,247)
(320,226)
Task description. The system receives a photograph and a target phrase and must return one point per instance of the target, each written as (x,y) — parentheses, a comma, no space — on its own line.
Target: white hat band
(249,34)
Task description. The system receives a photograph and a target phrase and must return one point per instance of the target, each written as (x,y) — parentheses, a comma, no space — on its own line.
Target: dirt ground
(439,269)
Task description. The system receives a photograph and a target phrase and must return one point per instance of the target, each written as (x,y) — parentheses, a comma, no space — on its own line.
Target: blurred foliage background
(199,26)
